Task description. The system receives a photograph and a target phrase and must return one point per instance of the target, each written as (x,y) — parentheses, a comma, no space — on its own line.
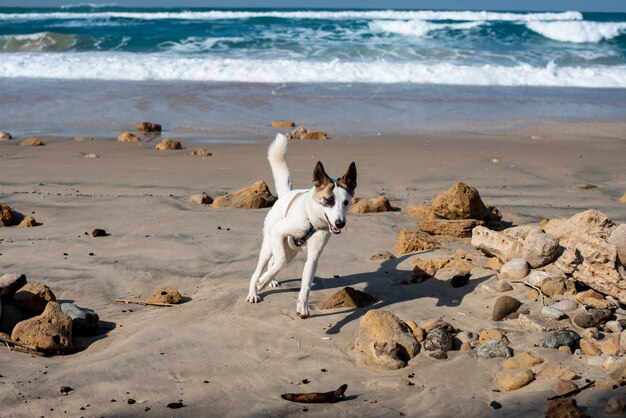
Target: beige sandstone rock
(591,222)
(31,142)
(348,297)
(539,323)
(460,201)
(511,379)
(282,124)
(623,198)
(610,344)
(492,334)
(6,215)
(494,263)
(523,360)
(496,244)
(539,249)
(51,331)
(385,341)
(304,134)
(200,152)
(34,297)
(168,144)
(564,386)
(461,228)
(201,199)
(255,196)
(589,346)
(165,295)
(147,127)
(425,212)
(128,137)
(373,205)
(556,372)
(385,255)
(618,239)
(27,222)
(83,138)
(413,241)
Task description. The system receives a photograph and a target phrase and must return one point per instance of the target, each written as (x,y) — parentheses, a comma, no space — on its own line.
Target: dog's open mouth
(332,227)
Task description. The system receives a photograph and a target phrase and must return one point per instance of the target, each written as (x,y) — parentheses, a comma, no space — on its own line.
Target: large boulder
(496,244)
(34,297)
(461,228)
(590,222)
(50,331)
(384,341)
(460,202)
(618,239)
(413,241)
(373,205)
(255,196)
(6,216)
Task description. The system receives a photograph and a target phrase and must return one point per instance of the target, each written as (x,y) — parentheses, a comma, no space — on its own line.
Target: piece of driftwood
(316,397)
(573,392)
(141,302)
(20,346)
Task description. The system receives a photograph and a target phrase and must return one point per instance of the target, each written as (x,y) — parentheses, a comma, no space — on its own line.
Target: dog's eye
(330,201)
(345,203)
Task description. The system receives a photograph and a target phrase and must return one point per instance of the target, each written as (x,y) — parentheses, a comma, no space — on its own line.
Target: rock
(91,156)
(438,354)
(597,303)
(564,408)
(467,336)
(11,315)
(348,298)
(553,313)
(373,205)
(385,341)
(487,289)
(201,199)
(504,306)
(565,305)
(200,152)
(165,295)
(494,263)
(83,138)
(98,232)
(591,222)
(255,196)
(515,269)
(493,349)
(28,222)
(492,334)
(438,323)
(304,134)
(586,186)
(511,379)
(616,405)
(413,325)
(539,249)
(460,201)
(589,347)
(427,268)
(592,318)
(610,344)
(31,142)
(553,287)
(564,386)
(413,241)
(128,137)
(34,297)
(424,212)
(565,337)
(503,286)
(618,239)
(7,218)
(590,333)
(419,334)
(622,341)
(282,124)
(50,331)
(465,347)
(460,280)
(168,144)
(461,228)
(84,321)
(11,283)
(539,323)
(523,360)
(590,293)
(438,339)
(5,136)
(384,256)
(496,244)
(519,233)
(147,127)
(556,372)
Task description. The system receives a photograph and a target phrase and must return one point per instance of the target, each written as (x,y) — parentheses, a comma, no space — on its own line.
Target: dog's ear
(348,181)
(320,178)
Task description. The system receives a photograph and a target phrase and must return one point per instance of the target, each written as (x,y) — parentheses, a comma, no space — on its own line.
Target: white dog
(300,220)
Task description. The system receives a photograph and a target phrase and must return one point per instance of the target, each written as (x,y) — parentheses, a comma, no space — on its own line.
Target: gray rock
(493,349)
(11,283)
(84,321)
(445,274)
(503,286)
(537,277)
(539,249)
(487,289)
(565,305)
(504,306)
(561,338)
(539,323)
(592,318)
(553,287)
(616,405)
(438,339)
(515,269)
(439,354)
(553,313)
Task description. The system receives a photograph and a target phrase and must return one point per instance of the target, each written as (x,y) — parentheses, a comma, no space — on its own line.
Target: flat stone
(51,331)
(492,334)
(565,305)
(556,372)
(515,269)
(496,244)
(467,336)
(614,326)
(413,241)
(84,321)
(563,337)
(590,347)
(564,386)
(128,137)
(34,297)
(147,127)
(384,256)
(511,379)
(539,323)
(610,344)
(523,360)
(460,228)
(348,297)
(487,289)
(597,303)
(32,142)
(504,306)
(282,124)
(10,283)
(537,277)
(421,211)
(200,152)
(553,313)
(589,293)
(493,349)
(592,318)
(28,222)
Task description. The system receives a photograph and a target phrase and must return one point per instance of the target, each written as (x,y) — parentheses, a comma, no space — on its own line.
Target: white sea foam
(418,28)
(40,41)
(331,15)
(128,66)
(92,5)
(578,32)
(194,44)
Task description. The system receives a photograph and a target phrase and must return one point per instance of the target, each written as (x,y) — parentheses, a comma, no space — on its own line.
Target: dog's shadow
(384,283)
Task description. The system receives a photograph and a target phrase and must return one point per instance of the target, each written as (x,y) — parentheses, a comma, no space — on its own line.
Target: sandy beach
(224,357)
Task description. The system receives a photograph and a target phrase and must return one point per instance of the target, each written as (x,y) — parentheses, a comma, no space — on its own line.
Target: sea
(222,75)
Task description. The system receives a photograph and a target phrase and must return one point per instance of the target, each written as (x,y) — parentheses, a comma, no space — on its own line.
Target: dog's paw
(274,283)
(302,310)
(253,299)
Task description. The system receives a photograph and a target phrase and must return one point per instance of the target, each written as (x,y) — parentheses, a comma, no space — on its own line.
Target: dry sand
(225,357)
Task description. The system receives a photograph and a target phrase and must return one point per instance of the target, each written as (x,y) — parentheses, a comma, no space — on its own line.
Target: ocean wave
(128,66)
(195,44)
(578,32)
(32,42)
(418,28)
(327,15)
(87,5)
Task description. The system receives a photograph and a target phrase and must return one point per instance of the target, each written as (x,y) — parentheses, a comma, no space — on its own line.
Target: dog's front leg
(315,246)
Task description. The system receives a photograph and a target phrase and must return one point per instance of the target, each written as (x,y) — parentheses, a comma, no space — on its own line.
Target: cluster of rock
(142,128)
(9,218)
(255,196)
(168,144)
(30,315)
(302,133)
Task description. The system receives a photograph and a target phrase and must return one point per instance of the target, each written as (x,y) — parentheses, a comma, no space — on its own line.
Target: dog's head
(335,196)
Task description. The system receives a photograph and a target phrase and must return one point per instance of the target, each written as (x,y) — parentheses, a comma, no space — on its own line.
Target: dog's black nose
(340,224)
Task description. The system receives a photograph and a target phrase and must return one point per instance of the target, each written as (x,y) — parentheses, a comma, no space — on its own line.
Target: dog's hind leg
(265,256)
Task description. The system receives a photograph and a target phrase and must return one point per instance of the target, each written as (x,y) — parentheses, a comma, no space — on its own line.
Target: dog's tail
(276,154)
